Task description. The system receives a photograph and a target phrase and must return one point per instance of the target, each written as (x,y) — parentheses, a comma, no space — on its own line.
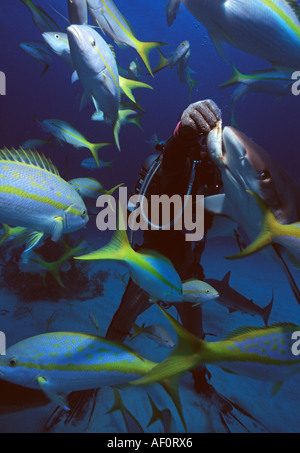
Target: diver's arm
(196,122)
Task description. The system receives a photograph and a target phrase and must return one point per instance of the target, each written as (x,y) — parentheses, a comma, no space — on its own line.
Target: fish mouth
(74,32)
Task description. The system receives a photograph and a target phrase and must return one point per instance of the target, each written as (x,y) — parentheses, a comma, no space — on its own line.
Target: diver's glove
(197,120)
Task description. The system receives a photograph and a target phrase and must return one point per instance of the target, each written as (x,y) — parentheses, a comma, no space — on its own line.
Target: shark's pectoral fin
(57,397)
(219,205)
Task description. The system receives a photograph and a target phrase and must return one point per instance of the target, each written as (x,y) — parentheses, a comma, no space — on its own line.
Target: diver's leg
(134,302)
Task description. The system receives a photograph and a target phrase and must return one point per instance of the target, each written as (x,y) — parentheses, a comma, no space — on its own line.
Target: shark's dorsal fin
(28,157)
(294,4)
(226,278)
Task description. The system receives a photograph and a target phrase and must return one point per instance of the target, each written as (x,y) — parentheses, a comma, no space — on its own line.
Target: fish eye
(207,291)
(264,175)
(12,362)
(57,36)
(83,213)
(93,42)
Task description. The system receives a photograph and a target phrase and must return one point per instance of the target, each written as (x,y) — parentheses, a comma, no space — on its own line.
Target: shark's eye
(264,175)
(12,362)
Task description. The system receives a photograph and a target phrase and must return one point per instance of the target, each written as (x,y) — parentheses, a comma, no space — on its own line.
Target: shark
(245,166)
(235,301)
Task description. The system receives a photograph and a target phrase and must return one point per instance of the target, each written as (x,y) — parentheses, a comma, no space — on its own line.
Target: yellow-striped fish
(260,353)
(65,132)
(113,23)
(63,362)
(34,196)
(97,70)
(153,272)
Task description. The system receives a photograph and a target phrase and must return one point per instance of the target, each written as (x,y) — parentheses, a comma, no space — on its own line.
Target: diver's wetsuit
(173,178)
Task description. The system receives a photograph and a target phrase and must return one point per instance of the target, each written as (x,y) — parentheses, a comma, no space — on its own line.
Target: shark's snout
(233,146)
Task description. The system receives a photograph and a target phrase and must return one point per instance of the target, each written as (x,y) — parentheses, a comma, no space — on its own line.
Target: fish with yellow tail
(153,272)
(273,232)
(54,267)
(65,132)
(98,73)
(41,19)
(34,196)
(63,362)
(113,23)
(198,292)
(10,233)
(260,353)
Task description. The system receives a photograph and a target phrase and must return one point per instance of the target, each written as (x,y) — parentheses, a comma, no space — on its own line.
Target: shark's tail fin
(267,311)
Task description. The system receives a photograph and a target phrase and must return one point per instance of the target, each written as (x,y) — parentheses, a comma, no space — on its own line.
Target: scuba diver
(183,167)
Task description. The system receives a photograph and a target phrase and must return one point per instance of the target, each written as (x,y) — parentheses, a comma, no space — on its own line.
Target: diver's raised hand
(198,120)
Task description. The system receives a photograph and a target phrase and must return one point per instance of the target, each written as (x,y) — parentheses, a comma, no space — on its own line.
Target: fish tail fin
(122,118)
(144,48)
(186,356)
(137,330)
(52,268)
(118,248)
(94,148)
(47,66)
(192,83)
(267,311)
(236,77)
(110,164)
(111,191)
(6,234)
(163,62)
(136,121)
(127,85)
(269,229)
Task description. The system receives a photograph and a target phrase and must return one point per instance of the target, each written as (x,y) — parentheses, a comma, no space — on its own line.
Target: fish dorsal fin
(294,4)
(226,278)
(28,157)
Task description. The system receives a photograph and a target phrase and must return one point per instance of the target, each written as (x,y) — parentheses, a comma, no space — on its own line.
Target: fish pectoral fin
(276,387)
(58,228)
(29,238)
(59,398)
(74,77)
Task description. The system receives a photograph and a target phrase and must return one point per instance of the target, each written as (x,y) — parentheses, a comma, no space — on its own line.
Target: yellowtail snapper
(98,73)
(113,23)
(41,19)
(65,132)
